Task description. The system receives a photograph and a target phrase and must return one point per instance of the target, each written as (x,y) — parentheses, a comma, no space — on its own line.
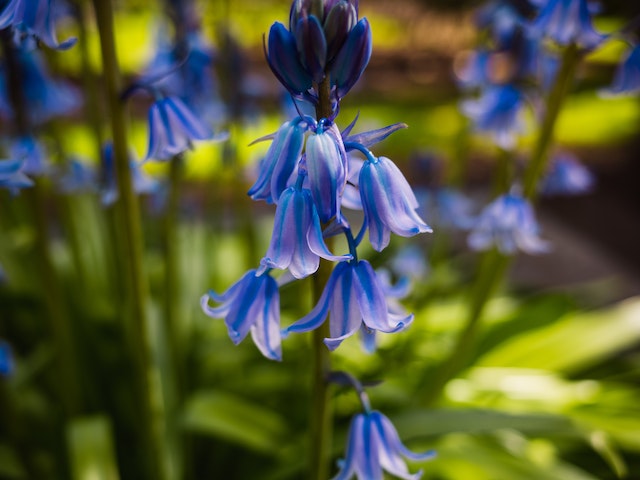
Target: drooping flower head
(374,446)
(498,112)
(627,77)
(326,165)
(32,153)
(44,96)
(324,39)
(34,18)
(280,161)
(296,242)
(252,304)
(353,296)
(567,176)
(565,22)
(508,223)
(12,176)
(389,203)
(173,128)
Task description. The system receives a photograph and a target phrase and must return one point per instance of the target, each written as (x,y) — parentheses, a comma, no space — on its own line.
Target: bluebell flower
(508,223)
(173,128)
(280,161)
(567,176)
(473,69)
(34,18)
(567,21)
(45,97)
(12,176)
(409,262)
(142,183)
(353,296)
(388,201)
(627,77)
(352,58)
(498,112)
(251,304)
(373,446)
(502,19)
(449,207)
(296,242)
(7,365)
(326,164)
(34,159)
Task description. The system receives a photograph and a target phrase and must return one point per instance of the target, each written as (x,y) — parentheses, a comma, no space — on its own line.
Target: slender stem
(539,157)
(494,265)
(321,424)
(149,391)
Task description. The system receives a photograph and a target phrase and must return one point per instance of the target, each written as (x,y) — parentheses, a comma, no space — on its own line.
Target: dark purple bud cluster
(324,42)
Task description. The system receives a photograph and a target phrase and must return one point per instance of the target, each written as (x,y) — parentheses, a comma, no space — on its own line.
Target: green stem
(493,265)
(539,156)
(131,253)
(321,423)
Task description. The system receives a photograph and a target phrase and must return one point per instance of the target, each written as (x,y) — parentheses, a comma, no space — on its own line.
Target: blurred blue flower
(78,177)
(44,96)
(409,262)
(173,128)
(326,165)
(297,242)
(567,176)
(374,445)
(251,304)
(34,159)
(502,20)
(7,365)
(508,223)
(627,77)
(449,208)
(388,201)
(473,69)
(279,162)
(34,18)
(12,176)
(566,21)
(142,183)
(189,75)
(497,112)
(353,296)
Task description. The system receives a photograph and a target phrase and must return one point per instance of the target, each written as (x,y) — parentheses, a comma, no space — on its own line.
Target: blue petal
(352,58)
(370,138)
(312,46)
(265,332)
(284,62)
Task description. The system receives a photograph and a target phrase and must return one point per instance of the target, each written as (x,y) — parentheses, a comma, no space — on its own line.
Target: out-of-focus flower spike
(567,21)
(312,47)
(627,77)
(7,363)
(567,176)
(283,59)
(352,58)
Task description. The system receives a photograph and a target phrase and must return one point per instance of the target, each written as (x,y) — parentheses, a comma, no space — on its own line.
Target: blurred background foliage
(552,390)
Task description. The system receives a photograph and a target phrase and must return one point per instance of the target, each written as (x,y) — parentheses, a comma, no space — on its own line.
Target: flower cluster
(312,171)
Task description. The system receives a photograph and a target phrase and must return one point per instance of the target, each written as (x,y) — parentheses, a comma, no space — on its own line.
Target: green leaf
(90,441)
(425,423)
(574,342)
(232,418)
